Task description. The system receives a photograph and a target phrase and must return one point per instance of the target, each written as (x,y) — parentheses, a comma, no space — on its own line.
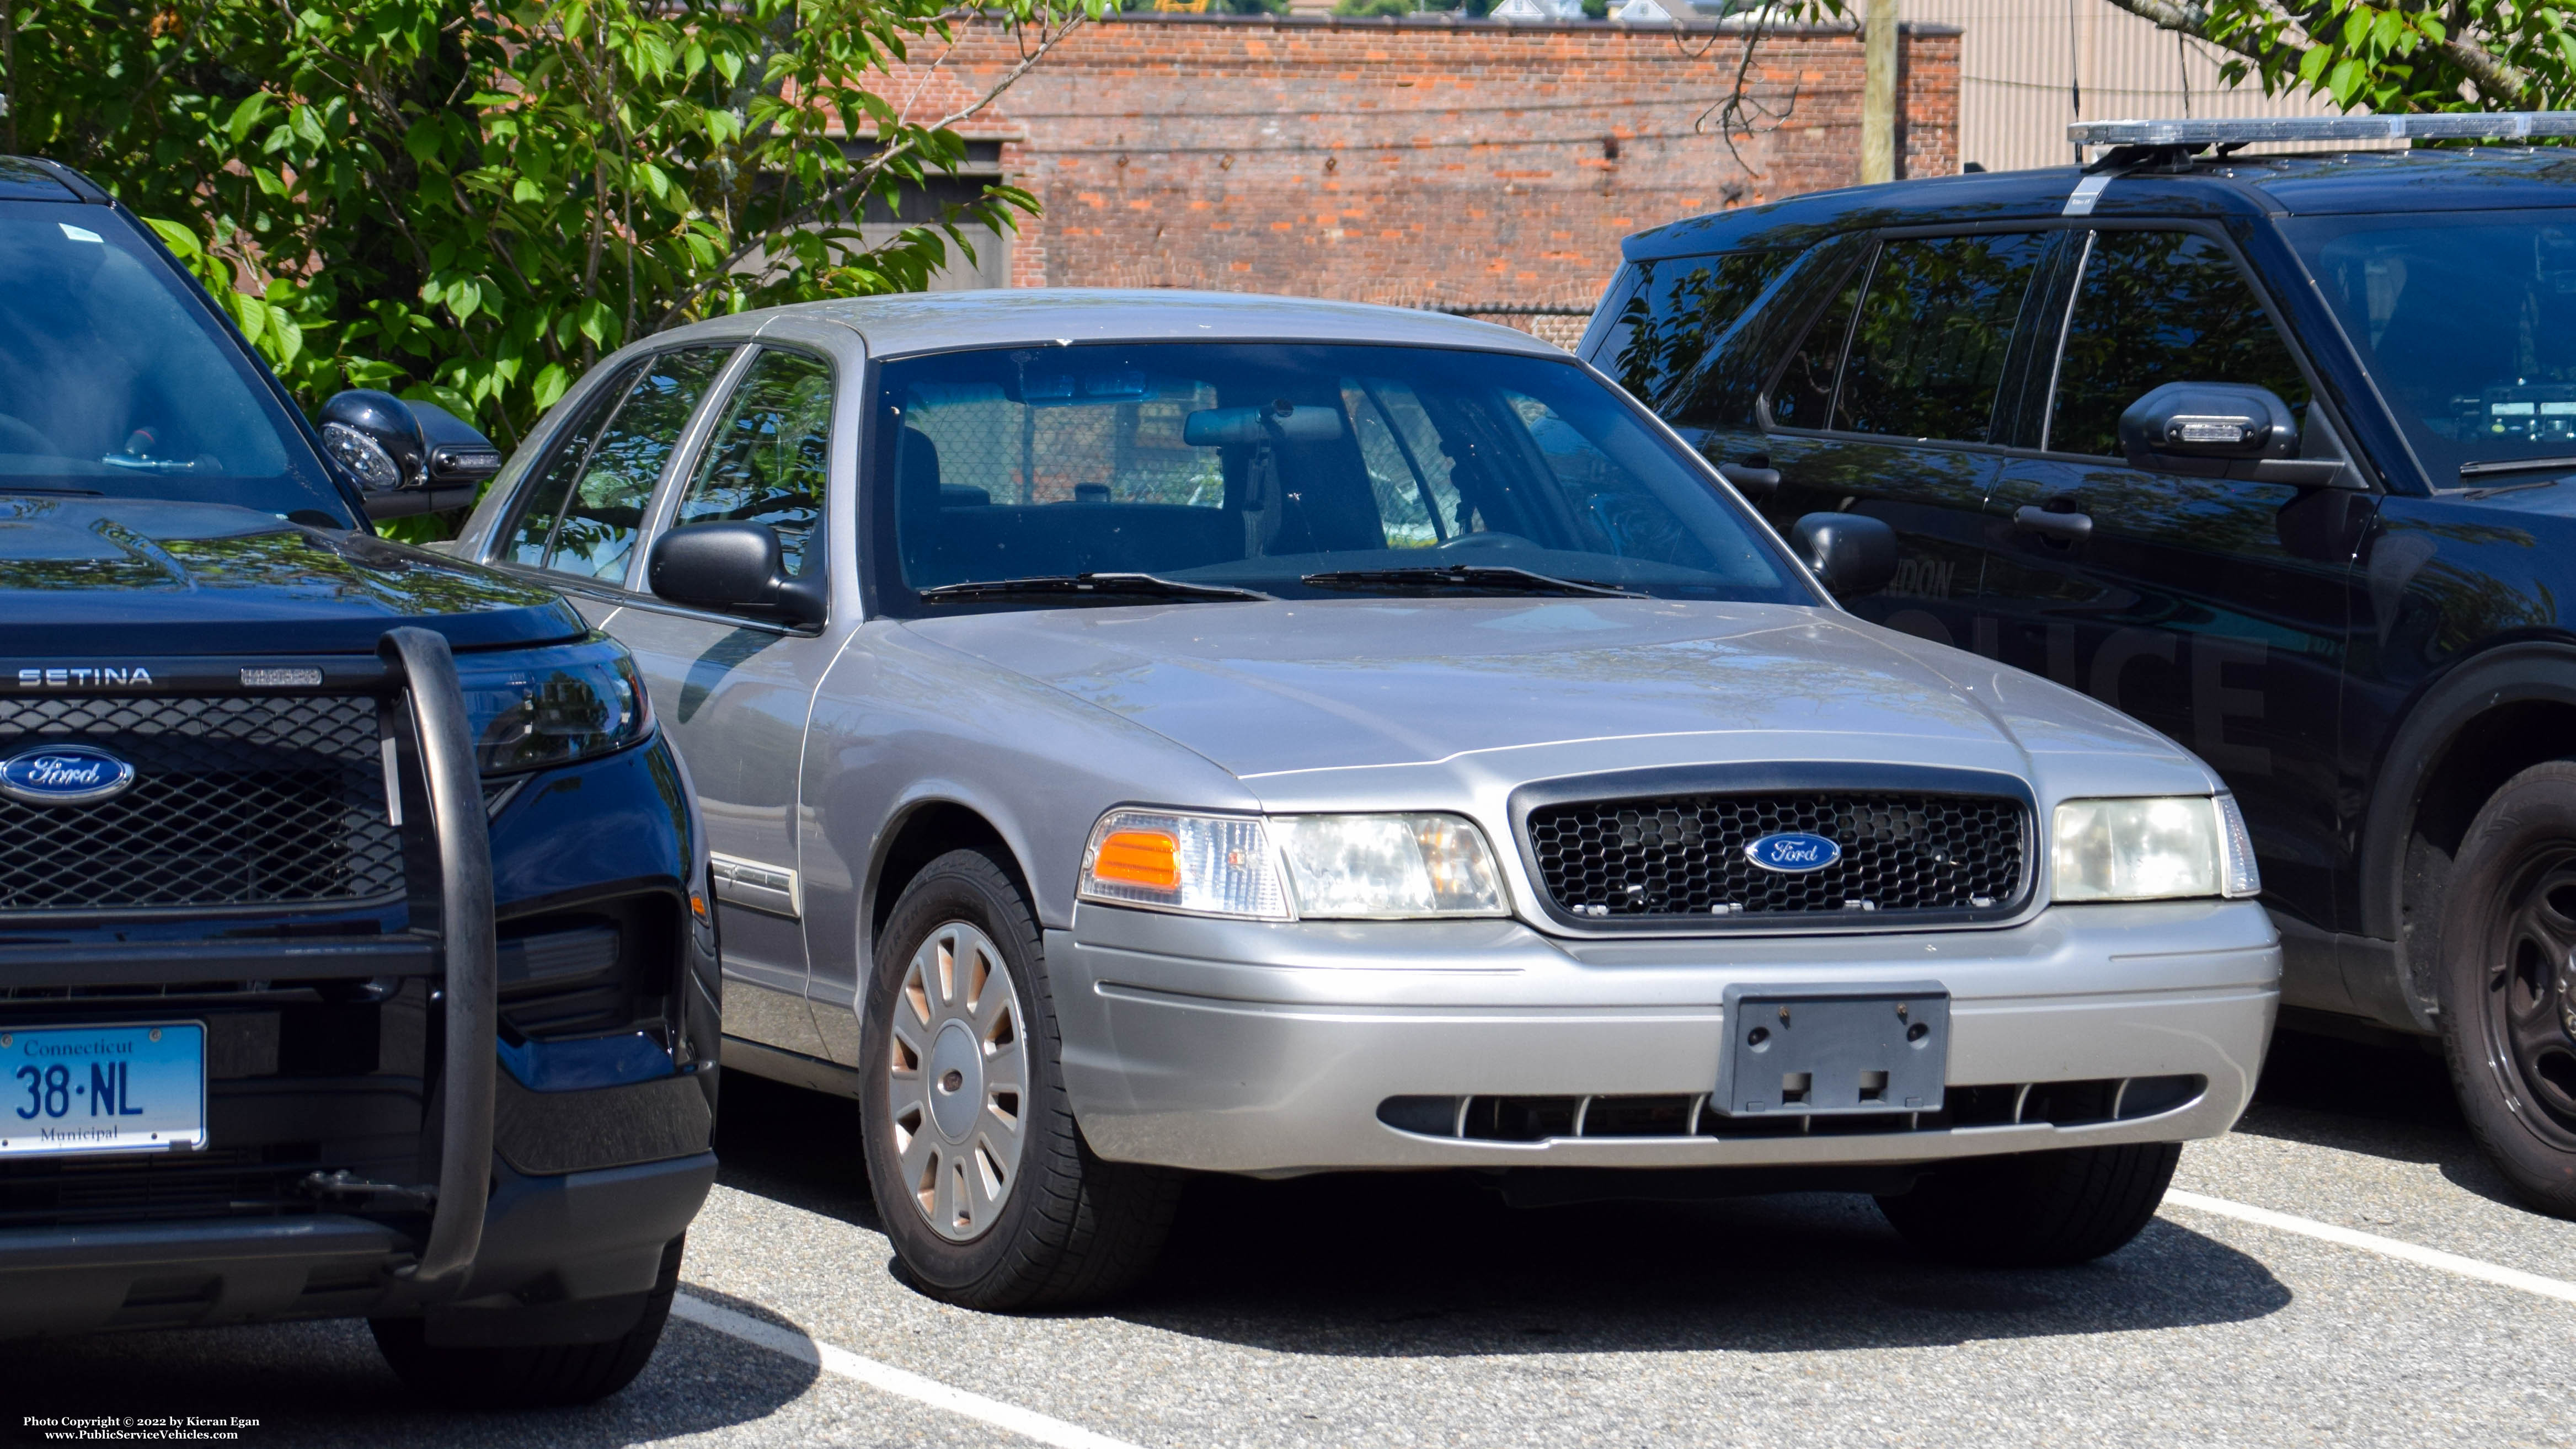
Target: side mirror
(408,457)
(735,567)
(2220,430)
(1848,553)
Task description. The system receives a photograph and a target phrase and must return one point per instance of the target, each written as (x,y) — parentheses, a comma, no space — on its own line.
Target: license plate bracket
(125,1087)
(1833,1050)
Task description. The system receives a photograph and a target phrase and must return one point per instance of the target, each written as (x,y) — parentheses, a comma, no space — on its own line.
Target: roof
(946,321)
(25,180)
(2498,177)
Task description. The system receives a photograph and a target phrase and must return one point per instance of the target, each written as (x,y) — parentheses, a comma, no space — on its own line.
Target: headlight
(2156,848)
(1388,866)
(1316,867)
(530,708)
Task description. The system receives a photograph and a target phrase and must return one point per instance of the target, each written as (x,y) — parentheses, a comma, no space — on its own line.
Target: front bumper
(367,1154)
(563,1259)
(1259,1048)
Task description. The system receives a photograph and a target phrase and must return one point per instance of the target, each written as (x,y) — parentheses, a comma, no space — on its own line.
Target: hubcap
(2530,1006)
(956,1071)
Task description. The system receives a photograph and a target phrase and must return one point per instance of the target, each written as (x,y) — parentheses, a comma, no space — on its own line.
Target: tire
(2035,1209)
(545,1376)
(982,1179)
(2506,983)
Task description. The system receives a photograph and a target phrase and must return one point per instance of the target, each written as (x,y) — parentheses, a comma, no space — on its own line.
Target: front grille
(217,1182)
(236,801)
(1679,856)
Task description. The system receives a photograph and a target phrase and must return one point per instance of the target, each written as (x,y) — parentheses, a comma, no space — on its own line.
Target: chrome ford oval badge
(64,775)
(1793,852)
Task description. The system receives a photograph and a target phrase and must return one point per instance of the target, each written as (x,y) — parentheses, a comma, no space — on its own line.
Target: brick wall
(1420,161)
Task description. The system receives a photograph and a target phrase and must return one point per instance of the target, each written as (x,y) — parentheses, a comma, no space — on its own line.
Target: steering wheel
(19,436)
(1476,542)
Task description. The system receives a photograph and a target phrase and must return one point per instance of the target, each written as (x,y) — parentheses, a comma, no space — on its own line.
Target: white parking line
(2373,1243)
(903,1383)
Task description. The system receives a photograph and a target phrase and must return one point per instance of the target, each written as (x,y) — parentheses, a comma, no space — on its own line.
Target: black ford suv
(355,956)
(2277,454)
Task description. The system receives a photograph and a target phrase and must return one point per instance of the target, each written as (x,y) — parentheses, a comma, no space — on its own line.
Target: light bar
(2243,130)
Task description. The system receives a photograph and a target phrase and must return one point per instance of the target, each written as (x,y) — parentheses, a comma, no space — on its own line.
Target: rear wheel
(2036,1209)
(2508,983)
(540,1376)
(982,1180)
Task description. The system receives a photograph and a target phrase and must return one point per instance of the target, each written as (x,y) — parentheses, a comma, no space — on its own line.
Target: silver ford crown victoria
(1154,731)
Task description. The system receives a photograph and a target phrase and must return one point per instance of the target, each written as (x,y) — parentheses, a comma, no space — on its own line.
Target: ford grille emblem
(64,775)
(1793,852)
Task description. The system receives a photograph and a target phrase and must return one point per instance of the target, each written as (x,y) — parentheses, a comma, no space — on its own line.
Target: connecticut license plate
(102,1088)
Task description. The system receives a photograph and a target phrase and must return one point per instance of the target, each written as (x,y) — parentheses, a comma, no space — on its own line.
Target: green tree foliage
(472,200)
(2411,55)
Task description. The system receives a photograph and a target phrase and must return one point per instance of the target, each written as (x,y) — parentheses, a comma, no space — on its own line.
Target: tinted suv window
(1805,395)
(2157,307)
(1682,306)
(583,511)
(1927,351)
(768,458)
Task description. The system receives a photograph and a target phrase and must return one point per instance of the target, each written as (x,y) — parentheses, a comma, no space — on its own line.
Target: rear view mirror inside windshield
(1223,427)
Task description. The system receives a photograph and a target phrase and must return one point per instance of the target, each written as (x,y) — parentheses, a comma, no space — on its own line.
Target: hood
(1538,689)
(125,576)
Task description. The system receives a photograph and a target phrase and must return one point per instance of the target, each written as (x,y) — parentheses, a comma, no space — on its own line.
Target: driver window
(2157,307)
(768,458)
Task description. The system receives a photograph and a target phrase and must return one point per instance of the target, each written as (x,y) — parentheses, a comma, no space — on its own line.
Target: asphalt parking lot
(1360,1310)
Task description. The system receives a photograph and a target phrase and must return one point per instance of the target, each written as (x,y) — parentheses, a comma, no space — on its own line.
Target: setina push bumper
(374,1137)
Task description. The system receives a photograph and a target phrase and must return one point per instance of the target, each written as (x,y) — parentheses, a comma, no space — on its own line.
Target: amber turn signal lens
(1139,857)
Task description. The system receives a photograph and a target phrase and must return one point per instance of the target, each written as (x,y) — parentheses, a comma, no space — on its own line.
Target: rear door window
(585,509)
(2155,307)
(1682,310)
(1933,328)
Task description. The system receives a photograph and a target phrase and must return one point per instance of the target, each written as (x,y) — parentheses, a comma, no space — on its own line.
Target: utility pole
(1878,93)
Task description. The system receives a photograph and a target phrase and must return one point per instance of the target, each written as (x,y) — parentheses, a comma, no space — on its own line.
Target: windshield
(1295,471)
(113,381)
(2468,321)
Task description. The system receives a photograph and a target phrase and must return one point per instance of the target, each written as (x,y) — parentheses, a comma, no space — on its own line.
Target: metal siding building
(2023,63)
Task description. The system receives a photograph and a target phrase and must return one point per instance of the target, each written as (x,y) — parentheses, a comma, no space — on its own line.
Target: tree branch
(2185,18)
(2497,82)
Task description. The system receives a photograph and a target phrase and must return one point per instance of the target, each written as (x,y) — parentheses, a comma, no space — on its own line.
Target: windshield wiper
(2516,465)
(1490,578)
(1084,586)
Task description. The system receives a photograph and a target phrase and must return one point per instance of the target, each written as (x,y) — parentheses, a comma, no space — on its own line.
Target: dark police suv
(2278,454)
(354,949)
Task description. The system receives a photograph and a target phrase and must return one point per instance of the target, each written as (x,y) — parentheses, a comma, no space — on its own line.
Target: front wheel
(2036,1209)
(982,1180)
(546,1376)
(2508,983)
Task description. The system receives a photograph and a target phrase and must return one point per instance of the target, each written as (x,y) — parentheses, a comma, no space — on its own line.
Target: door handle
(2067,527)
(1752,482)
